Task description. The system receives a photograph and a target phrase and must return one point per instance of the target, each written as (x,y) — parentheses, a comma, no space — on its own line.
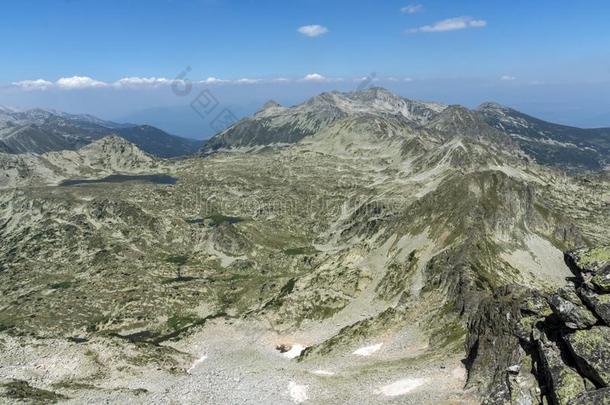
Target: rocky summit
(356,248)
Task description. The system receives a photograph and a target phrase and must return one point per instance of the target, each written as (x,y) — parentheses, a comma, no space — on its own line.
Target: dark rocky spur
(545,348)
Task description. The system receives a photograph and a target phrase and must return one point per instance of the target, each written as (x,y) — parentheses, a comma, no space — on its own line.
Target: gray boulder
(591,350)
(596,397)
(569,309)
(564,384)
(601,280)
(599,303)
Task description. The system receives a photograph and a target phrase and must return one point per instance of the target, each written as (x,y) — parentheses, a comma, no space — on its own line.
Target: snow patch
(298,393)
(368,350)
(401,387)
(295,351)
(196,363)
(324,372)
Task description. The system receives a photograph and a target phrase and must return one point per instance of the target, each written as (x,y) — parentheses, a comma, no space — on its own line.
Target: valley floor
(238,362)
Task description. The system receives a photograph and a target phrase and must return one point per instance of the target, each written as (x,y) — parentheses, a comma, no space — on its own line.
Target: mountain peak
(117,152)
(271,104)
(491,106)
(112,139)
(269,108)
(457,120)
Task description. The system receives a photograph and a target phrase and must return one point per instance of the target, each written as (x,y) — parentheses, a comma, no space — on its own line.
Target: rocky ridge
(552,144)
(546,347)
(109,155)
(280,125)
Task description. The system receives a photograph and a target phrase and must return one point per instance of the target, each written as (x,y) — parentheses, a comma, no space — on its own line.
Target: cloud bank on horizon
(85,82)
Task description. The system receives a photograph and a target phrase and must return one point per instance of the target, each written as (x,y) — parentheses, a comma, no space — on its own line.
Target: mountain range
(40,131)
(356,248)
(556,145)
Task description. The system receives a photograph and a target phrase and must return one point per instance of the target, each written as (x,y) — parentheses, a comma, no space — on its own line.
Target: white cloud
(74,82)
(79,82)
(412,9)
(39,84)
(314,77)
(136,82)
(212,80)
(393,79)
(312,30)
(451,24)
(508,78)
(247,81)
(141,82)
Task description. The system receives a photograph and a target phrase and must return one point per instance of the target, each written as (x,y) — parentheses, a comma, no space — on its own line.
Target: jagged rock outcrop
(592,268)
(562,382)
(527,347)
(500,337)
(570,309)
(591,350)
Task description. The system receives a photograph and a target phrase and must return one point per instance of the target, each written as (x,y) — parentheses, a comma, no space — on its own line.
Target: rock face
(527,347)
(563,382)
(591,349)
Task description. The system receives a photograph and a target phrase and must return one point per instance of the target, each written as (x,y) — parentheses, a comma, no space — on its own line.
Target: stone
(569,309)
(595,397)
(599,303)
(563,383)
(601,280)
(534,303)
(534,309)
(588,262)
(591,349)
(514,369)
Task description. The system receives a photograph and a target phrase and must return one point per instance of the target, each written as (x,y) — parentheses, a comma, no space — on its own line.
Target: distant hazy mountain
(277,124)
(547,143)
(184,121)
(40,131)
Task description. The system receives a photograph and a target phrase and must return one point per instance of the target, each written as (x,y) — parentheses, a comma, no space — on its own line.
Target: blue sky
(450,51)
